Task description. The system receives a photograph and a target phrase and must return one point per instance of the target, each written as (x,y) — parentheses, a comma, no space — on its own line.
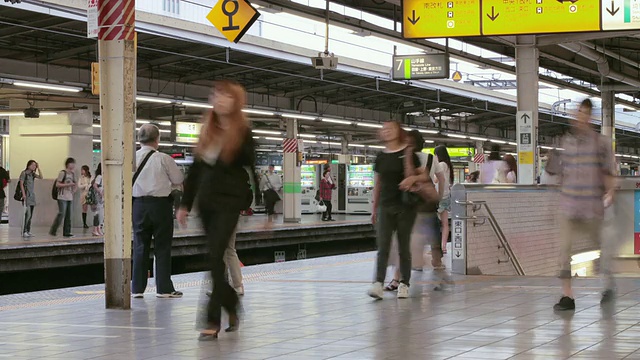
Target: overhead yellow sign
(233,18)
(95,78)
(539,17)
(440,18)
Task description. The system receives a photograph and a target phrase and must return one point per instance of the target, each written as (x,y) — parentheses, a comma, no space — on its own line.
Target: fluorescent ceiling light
(429,131)
(274,138)
(268,132)
(96,140)
(356,145)
(457,136)
(546,147)
(153,100)
(376,147)
(198,105)
(256,137)
(309,142)
(335,121)
(513,143)
(498,141)
(478,138)
(330,143)
(585,257)
(309,136)
(47,86)
(96,125)
(298,116)
(143,122)
(429,141)
(43,113)
(377,126)
(560,149)
(619,155)
(258,112)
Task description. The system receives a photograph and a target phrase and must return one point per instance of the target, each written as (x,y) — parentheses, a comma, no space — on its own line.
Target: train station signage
(422,66)
(187,132)
(457,18)
(233,18)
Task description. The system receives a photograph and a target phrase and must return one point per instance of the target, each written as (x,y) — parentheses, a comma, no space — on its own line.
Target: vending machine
(339,196)
(360,189)
(310,185)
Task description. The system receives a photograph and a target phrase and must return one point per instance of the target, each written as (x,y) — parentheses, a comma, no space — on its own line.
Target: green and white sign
(187,132)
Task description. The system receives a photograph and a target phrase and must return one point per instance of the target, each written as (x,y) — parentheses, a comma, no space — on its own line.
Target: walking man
(587,188)
(156,175)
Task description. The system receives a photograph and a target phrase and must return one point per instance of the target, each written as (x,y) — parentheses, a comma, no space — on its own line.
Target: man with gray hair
(156,174)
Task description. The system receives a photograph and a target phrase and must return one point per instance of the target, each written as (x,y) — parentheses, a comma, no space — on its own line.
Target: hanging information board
(422,66)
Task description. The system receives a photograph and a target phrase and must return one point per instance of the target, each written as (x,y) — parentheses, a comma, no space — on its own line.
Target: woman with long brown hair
(220,178)
(512,171)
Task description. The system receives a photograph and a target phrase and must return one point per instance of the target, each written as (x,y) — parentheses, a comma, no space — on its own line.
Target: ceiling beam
(174,59)
(72,52)
(230,70)
(544,40)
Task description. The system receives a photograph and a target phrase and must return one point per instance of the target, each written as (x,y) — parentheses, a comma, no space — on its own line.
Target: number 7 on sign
(400,62)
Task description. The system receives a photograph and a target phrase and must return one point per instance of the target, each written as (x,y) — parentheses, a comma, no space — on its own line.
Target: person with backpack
(25,193)
(63,189)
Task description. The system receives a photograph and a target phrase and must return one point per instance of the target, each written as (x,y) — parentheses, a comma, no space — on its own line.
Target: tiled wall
(529,221)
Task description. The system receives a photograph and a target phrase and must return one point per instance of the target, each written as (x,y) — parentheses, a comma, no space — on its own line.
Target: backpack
(55,191)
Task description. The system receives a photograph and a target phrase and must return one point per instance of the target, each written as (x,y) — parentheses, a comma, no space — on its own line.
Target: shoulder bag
(423,194)
(144,162)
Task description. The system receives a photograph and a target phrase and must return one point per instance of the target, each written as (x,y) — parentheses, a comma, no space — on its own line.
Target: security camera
(325,61)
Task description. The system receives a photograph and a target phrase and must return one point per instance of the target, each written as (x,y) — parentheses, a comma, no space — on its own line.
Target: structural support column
(116,21)
(609,115)
(292,173)
(527,64)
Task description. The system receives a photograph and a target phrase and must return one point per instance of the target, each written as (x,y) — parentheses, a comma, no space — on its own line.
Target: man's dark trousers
(152,221)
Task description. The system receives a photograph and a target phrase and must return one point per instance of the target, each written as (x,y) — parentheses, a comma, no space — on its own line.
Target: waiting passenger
(219,178)
(326,191)
(587,188)
(391,212)
(153,214)
(446,167)
(98,207)
(4,181)
(83,185)
(511,169)
(66,186)
(270,186)
(473,177)
(28,194)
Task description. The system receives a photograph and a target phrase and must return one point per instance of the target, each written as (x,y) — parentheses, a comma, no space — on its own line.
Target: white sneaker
(240,290)
(403,291)
(137,296)
(173,295)
(376,291)
(26,235)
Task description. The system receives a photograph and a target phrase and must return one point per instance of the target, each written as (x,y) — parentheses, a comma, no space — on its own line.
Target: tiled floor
(317,309)
(11,236)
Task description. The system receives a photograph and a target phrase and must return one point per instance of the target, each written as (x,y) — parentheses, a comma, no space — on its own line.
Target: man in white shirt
(271,184)
(158,173)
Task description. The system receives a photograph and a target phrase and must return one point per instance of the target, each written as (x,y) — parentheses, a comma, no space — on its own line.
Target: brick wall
(529,221)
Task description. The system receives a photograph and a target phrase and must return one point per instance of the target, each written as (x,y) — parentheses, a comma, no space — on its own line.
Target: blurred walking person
(28,194)
(156,175)
(98,207)
(587,189)
(392,214)
(446,167)
(220,179)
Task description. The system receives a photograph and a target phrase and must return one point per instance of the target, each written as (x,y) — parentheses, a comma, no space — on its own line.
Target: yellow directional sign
(539,16)
(440,18)
(233,18)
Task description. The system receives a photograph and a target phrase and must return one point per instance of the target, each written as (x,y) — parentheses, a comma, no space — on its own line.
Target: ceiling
(173,64)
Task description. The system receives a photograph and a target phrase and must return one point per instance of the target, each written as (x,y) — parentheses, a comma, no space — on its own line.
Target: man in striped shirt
(587,188)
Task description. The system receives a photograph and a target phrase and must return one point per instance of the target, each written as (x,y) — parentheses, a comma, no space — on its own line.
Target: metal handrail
(496,229)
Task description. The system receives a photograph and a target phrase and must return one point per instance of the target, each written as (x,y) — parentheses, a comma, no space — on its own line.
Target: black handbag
(17,196)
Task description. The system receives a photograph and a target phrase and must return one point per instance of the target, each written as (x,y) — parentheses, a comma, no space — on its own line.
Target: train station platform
(45,252)
(318,309)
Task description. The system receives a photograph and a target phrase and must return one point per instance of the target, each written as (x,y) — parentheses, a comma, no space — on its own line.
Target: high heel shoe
(208,336)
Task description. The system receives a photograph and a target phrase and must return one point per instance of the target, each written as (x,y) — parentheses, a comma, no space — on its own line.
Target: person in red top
(326,188)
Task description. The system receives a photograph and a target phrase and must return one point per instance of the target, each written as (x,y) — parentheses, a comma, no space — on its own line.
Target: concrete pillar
(292,186)
(609,116)
(49,140)
(117,54)
(527,64)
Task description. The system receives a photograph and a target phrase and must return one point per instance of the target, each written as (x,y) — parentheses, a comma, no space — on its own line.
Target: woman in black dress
(225,156)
